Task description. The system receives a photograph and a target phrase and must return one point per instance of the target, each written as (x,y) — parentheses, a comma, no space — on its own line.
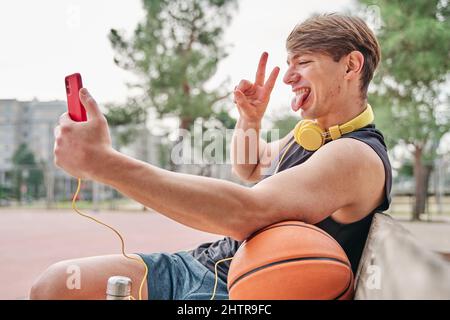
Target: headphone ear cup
(309,135)
(298,129)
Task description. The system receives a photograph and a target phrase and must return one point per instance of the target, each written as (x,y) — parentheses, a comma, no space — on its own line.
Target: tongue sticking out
(299,100)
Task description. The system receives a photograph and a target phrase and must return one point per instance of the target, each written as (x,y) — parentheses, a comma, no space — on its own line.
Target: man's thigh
(86,278)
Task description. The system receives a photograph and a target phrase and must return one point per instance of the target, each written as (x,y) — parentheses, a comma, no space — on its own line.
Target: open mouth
(300,99)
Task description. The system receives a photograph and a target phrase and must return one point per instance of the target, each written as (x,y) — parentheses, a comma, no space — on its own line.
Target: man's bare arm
(256,157)
(248,149)
(345,173)
(222,207)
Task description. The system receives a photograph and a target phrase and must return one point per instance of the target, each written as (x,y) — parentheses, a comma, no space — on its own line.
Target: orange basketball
(290,260)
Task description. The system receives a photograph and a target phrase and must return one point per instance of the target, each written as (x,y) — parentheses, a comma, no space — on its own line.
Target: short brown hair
(337,35)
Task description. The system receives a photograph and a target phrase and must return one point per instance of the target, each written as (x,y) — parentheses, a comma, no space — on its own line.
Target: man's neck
(341,116)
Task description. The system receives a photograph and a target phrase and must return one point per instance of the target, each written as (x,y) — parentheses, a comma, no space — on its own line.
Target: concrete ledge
(394,265)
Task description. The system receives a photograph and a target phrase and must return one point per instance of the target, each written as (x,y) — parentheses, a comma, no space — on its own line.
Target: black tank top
(352,237)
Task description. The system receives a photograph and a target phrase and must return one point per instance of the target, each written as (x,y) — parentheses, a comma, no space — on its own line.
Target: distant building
(144,146)
(33,122)
(29,122)
(10,111)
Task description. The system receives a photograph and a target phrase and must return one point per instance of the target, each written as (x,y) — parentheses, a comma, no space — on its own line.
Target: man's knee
(59,281)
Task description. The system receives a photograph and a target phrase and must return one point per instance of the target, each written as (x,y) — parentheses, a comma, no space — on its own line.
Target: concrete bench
(394,265)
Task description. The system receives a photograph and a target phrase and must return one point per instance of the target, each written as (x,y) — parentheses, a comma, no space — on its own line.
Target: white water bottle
(118,288)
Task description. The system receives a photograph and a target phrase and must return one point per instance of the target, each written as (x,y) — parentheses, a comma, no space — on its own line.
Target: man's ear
(355,63)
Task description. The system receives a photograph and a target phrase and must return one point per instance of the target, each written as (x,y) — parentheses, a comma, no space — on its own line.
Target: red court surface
(32,240)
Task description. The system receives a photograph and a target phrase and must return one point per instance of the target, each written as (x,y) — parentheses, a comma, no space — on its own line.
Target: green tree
(125,120)
(25,173)
(221,121)
(409,94)
(226,121)
(284,124)
(174,51)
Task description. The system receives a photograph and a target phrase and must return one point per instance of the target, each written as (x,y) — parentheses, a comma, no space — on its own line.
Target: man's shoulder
(347,150)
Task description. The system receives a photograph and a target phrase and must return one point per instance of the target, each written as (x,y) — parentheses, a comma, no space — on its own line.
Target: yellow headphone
(311,137)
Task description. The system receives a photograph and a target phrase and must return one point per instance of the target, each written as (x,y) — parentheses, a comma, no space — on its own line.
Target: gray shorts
(179,276)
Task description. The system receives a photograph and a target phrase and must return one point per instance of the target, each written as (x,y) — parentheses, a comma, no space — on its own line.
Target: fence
(37,182)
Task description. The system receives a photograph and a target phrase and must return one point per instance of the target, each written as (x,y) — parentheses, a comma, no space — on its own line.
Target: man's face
(317,82)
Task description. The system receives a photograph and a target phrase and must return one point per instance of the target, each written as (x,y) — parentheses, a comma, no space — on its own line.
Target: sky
(43,41)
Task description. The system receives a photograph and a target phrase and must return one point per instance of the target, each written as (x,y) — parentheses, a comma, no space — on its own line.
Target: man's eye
(303,62)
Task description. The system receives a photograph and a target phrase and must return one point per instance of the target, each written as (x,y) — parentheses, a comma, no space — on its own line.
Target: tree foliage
(409,93)
(25,174)
(174,51)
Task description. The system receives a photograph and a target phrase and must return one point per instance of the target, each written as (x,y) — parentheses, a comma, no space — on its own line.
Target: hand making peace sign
(252,98)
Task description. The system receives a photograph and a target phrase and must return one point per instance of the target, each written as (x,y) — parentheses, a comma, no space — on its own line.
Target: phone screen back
(75,108)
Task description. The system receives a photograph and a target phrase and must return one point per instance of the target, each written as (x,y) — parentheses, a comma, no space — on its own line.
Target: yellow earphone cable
(216,275)
(283,155)
(370,116)
(231,258)
(74,207)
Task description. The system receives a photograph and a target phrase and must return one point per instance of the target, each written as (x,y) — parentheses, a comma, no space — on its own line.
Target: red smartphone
(73,86)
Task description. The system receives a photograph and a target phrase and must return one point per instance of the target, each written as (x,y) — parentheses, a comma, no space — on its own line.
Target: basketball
(290,260)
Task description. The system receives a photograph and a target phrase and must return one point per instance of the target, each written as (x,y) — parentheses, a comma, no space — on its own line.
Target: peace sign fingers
(270,83)
(261,71)
(261,74)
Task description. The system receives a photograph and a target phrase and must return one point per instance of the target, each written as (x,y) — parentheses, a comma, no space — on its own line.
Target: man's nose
(291,76)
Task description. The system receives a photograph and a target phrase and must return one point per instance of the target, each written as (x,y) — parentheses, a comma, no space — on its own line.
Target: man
(338,187)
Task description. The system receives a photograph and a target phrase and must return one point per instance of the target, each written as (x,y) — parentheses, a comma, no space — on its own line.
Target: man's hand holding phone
(80,146)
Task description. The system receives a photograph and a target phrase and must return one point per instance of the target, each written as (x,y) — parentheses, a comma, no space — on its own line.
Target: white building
(29,122)
(10,111)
